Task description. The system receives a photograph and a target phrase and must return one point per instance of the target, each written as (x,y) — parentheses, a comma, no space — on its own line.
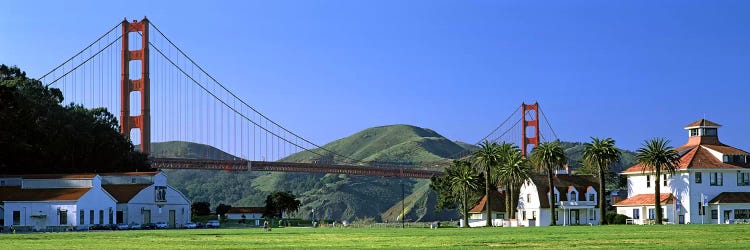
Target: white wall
(98,200)
(145,200)
(248,216)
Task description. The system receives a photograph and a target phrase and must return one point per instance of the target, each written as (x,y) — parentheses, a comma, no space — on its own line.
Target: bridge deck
(244,165)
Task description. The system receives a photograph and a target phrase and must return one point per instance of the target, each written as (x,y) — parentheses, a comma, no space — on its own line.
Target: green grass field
(630,236)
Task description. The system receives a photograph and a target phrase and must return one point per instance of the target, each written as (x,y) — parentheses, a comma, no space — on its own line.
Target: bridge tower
(128,85)
(530,118)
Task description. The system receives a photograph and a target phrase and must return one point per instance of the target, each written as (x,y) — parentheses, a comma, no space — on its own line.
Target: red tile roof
(564,183)
(53,176)
(702,122)
(645,199)
(125,192)
(246,210)
(497,205)
(129,173)
(699,157)
(47,194)
(731,197)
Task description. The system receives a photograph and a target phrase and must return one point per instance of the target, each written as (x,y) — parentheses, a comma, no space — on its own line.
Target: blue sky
(326,69)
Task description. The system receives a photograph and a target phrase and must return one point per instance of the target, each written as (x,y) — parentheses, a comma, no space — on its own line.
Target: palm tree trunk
(508,198)
(657,193)
(551,198)
(466,208)
(487,194)
(602,194)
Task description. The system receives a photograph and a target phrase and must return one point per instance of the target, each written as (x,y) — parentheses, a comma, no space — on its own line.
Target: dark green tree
(39,135)
(222,209)
(200,208)
(513,171)
(280,203)
(548,157)
(488,156)
(464,182)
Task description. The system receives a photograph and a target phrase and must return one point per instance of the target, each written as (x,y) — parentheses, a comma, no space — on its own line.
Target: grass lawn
(620,236)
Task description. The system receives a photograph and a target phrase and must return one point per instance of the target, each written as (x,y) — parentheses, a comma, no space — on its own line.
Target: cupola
(703,132)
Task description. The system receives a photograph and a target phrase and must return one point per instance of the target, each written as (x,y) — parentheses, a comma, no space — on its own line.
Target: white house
(251,215)
(54,202)
(712,184)
(477,216)
(575,197)
(145,197)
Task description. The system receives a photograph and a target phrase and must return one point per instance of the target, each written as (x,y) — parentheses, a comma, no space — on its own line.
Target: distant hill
(337,196)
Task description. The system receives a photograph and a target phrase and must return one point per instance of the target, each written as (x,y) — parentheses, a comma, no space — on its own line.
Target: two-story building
(145,197)
(712,184)
(575,197)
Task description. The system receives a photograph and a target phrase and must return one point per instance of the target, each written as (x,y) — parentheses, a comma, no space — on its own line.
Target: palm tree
(463,179)
(513,171)
(656,155)
(548,157)
(488,156)
(601,154)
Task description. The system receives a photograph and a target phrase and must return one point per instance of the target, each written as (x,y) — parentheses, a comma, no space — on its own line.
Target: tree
(548,157)
(463,178)
(488,156)
(601,155)
(222,209)
(513,171)
(39,135)
(656,155)
(280,203)
(200,208)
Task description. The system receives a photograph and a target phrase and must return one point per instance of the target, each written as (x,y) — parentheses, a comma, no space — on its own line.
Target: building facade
(145,197)
(711,185)
(575,198)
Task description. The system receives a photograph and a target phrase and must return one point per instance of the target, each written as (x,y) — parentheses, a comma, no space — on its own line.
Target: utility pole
(403,208)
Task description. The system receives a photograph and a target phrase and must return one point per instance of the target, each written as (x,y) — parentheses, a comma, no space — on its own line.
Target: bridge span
(245,165)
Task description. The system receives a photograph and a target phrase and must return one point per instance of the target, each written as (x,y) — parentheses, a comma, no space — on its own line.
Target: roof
(47,194)
(130,173)
(123,193)
(498,203)
(702,123)
(645,199)
(246,210)
(699,157)
(564,183)
(731,197)
(52,176)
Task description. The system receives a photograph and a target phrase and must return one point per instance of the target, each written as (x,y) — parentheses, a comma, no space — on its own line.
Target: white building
(54,202)
(77,201)
(145,197)
(477,216)
(712,184)
(575,197)
(250,215)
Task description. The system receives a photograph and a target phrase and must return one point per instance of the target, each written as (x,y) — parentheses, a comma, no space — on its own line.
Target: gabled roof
(246,210)
(123,193)
(47,194)
(702,123)
(731,197)
(646,199)
(498,203)
(563,183)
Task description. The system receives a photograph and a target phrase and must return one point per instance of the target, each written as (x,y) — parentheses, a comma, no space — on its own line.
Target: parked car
(200,225)
(212,224)
(149,226)
(98,227)
(123,226)
(190,225)
(135,226)
(161,225)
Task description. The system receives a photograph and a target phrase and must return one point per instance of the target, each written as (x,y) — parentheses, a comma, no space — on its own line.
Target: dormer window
(592,197)
(573,196)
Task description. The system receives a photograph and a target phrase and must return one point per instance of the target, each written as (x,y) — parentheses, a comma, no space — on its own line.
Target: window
(592,214)
(651,213)
(592,197)
(698,177)
(533,215)
(110,216)
(573,196)
(714,214)
(160,193)
(694,132)
(497,216)
(528,197)
(63,214)
(701,208)
(665,180)
(82,218)
(132,180)
(636,213)
(648,181)
(91,216)
(101,216)
(716,178)
(743,179)
(2,183)
(557,199)
(741,214)
(524,215)
(16,218)
(710,131)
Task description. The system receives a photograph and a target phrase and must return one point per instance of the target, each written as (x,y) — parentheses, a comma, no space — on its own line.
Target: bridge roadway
(244,165)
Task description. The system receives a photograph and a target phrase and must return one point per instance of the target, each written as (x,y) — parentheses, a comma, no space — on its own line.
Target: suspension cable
(85,61)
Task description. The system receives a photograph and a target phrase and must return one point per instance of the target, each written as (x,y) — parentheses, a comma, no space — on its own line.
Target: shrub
(613,217)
